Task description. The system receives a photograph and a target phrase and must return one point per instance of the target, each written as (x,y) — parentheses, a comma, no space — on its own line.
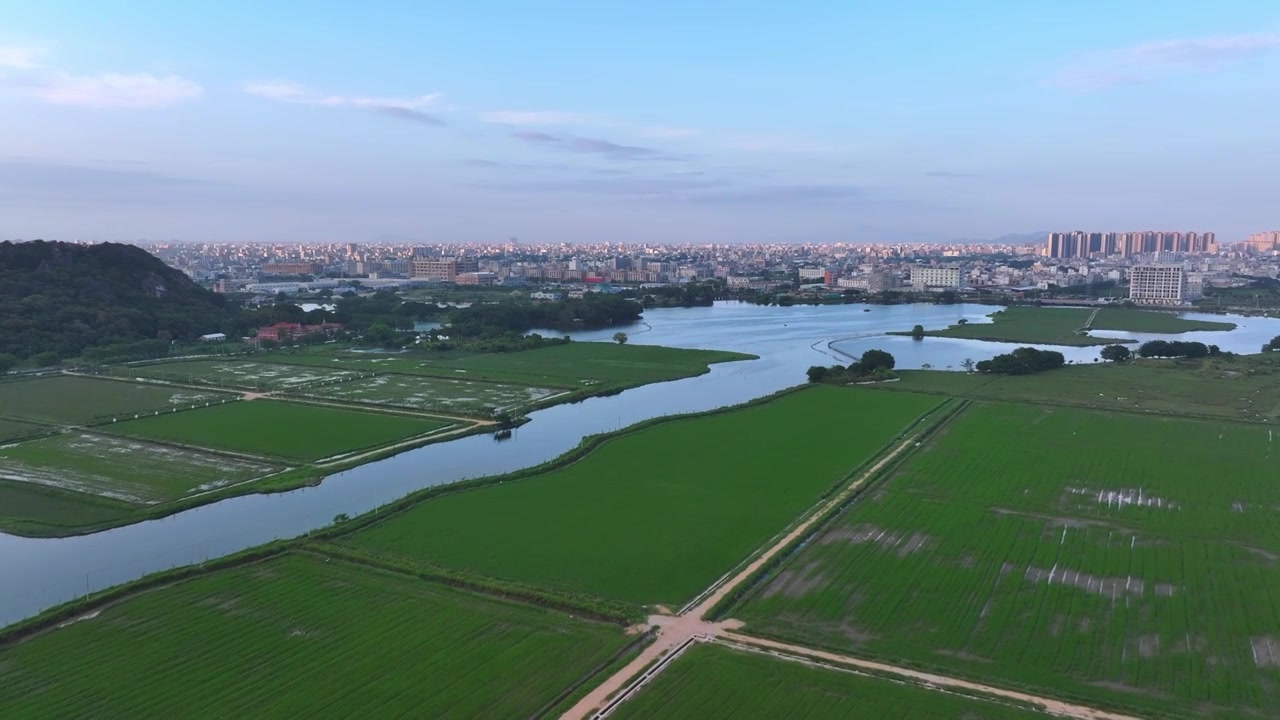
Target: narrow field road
(804,654)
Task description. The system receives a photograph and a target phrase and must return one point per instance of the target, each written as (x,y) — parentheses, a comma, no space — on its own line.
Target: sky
(664,121)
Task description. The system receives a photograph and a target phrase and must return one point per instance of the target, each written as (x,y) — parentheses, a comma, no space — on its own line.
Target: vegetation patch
(243,374)
(1068,326)
(272,428)
(431,393)
(123,469)
(1243,387)
(590,366)
(74,400)
(656,515)
(204,648)
(1067,550)
(713,681)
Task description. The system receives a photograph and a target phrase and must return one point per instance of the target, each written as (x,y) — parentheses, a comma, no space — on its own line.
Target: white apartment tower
(1158,285)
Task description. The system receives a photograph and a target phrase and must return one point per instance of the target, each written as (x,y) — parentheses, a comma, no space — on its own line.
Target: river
(36,574)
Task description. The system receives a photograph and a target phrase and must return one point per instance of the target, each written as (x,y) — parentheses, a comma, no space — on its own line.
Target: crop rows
(655,516)
(710,681)
(1094,554)
(302,637)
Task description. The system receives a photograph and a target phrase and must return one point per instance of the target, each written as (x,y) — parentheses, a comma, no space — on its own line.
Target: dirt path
(447,431)
(675,631)
(804,654)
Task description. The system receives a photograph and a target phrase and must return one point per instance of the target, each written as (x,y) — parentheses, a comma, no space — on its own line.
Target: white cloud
(114,90)
(1147,62)
(537,117)
(20,58)
(21,74)
(668,132)
(293,93)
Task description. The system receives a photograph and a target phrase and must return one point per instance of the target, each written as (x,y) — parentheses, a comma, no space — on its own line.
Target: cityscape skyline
(676,123)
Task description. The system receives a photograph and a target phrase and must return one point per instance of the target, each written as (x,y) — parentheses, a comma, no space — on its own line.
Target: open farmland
(272,428)
(299,636)
(10,429)
(596,366)
(1147,321)
(243,374)
(121,468)
(1241,388)
(709,682)
(1063,325)
(1106,556)
(41,509)
(74,400)
(659,513)
(429,393)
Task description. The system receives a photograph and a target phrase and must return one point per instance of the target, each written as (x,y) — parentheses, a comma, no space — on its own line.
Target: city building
(1078,244)
(445,270)
(1264,241)
(476,278)
(291,269)
(924,277)
(1158,285)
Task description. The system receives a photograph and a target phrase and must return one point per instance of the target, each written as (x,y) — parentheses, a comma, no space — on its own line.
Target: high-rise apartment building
(1079,244)
(1264,241)
(1158,285)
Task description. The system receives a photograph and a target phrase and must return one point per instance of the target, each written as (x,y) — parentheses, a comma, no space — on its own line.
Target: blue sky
(660,121)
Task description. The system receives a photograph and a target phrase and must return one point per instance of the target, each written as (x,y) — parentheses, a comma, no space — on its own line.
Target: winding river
(36,574)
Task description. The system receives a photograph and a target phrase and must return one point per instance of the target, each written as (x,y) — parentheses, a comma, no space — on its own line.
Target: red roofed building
(284,331)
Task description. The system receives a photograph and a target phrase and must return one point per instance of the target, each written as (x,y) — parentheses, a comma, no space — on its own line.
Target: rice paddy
(439,394)
(721,484)
(1084,553)
(303,636)
(75,400)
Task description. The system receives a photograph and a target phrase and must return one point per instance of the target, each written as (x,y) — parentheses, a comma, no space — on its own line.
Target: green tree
(380,334)
(1115,353)
(7,362)
(818,373)
(917,332)
(967,364)
(620,338)
(873,360)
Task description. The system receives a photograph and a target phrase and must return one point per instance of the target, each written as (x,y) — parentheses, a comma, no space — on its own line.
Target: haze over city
(667,122)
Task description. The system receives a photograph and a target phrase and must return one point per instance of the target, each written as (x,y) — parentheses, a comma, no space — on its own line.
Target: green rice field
(1062,325)
(574,365)
(40,509)
(657,515)
(10,429)
(276,429)
(122,469)
(300,636)
(430,393)
(1240,388)
(1108,556)
(74,400)
(713,682)
(243,374)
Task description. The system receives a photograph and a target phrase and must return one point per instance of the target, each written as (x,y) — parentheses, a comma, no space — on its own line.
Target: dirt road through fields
(674,631)
(803,654)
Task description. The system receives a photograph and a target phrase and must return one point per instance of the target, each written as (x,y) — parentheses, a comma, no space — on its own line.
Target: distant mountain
(58,300)
(1011,239)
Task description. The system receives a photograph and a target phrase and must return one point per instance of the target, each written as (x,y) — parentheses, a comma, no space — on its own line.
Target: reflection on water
(37,574)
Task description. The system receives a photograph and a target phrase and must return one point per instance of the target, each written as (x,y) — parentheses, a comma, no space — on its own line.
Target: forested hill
(58,300)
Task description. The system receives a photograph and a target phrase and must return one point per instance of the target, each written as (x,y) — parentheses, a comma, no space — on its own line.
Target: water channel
(36,574)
